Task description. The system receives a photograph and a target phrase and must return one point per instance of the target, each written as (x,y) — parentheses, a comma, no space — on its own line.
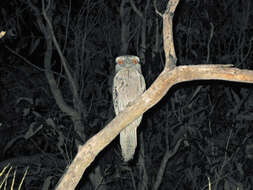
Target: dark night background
(211,119)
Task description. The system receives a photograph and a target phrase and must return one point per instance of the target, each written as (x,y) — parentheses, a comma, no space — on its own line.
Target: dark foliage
(213,118)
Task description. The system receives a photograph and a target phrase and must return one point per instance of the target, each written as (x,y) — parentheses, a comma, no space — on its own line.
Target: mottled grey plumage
(128,84)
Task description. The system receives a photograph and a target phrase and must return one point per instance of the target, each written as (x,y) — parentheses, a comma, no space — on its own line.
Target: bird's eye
(120,62)
(135,61)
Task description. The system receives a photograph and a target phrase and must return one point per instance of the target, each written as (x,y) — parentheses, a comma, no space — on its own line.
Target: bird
(128,84)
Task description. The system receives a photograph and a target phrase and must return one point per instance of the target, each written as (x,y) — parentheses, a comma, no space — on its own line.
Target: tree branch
(158,89)
(168,154)
(71,80)
(168,43)
(138,12)
(170,76)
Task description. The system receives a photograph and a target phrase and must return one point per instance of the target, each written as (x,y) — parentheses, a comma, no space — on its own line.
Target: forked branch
(170,76)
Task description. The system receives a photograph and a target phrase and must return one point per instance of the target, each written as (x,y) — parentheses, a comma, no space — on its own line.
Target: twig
(31,64)
(63,61)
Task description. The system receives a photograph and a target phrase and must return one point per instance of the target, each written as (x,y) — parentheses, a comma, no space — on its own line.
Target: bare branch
(168,154)
(31,64)
(124,28)
(156,10)
(158,89)
(147,6)
(63,61)
(52,83)
(171,6)
(169,49)
(170,76)
(209,42)
(138,12)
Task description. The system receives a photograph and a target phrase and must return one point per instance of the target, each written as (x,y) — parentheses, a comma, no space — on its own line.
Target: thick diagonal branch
(158,89)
